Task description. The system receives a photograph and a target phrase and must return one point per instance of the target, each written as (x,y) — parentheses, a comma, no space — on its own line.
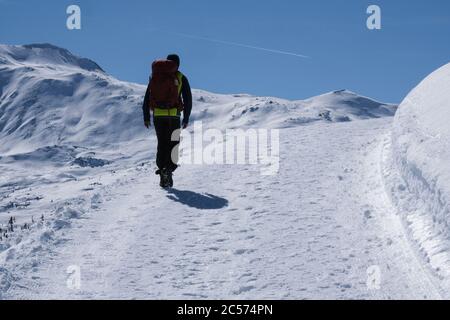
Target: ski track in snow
(226,232)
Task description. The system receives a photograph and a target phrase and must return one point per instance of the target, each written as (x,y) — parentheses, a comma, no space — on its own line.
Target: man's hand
(147,124)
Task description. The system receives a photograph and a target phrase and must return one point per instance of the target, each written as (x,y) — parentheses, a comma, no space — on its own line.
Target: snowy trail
(312,231)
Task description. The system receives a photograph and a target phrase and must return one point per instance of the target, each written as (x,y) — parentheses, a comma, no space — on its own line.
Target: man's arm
(145,108)
(187,100)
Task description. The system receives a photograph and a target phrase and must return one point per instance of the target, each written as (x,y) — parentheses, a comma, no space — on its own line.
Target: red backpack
(164,85)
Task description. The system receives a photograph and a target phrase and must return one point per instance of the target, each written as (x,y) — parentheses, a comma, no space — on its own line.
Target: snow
(47,104)
(243,111)
(78,168)
(421,155)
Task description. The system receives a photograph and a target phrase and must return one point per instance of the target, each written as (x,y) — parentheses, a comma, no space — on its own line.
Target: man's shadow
(196,200)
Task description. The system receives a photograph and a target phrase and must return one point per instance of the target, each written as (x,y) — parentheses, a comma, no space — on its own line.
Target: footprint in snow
(244,289)
(242,251)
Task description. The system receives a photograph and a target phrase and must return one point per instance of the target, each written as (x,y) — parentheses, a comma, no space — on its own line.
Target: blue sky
(125,36)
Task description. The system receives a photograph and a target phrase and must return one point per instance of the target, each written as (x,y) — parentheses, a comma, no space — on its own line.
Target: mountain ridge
(49,96)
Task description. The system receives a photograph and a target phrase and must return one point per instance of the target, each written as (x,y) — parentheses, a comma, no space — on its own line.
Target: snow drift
(421,153)
(48,96)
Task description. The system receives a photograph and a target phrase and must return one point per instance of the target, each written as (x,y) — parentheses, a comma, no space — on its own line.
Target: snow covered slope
(322,228)
(421,154)
(242,110)
(49,96)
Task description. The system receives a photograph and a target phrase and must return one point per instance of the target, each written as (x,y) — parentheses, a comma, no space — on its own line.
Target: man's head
(175,58)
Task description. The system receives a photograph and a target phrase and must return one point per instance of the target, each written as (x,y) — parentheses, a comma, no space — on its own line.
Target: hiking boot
(170,179)
(166,178)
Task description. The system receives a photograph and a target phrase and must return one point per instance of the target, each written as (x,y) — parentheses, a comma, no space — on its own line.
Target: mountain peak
(43,46)
(343,91)
(45,53)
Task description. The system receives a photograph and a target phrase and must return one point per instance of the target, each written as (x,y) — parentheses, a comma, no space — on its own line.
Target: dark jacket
(186,96)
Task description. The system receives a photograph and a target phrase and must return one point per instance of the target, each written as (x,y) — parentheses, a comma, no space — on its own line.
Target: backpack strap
(180,82)
(180,89)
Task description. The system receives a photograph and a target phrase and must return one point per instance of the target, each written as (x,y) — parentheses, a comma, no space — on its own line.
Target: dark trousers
(167,156)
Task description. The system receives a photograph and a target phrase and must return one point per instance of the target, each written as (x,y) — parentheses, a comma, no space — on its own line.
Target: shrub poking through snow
(90,162)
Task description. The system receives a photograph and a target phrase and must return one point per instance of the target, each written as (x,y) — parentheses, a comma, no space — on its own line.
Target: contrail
(236,44)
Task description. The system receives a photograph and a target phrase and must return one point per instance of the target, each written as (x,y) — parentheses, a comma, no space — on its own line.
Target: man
(166,121)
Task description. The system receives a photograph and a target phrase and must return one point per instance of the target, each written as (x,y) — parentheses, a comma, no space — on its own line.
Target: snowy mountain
(357,210)
(41,54)
(52,97)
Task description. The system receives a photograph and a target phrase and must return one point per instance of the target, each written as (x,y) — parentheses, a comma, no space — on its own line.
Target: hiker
(168,94)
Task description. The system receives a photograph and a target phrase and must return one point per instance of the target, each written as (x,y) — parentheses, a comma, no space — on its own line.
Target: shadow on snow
(197,200)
